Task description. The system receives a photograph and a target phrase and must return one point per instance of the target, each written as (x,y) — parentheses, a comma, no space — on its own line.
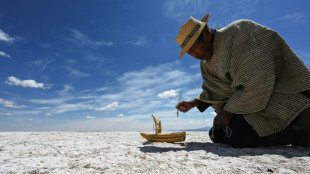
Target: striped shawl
(255,73)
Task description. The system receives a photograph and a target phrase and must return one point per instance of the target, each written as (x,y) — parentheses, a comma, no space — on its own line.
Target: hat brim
(192,40)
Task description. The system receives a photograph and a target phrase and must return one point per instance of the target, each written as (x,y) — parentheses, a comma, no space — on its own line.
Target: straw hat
(189,33)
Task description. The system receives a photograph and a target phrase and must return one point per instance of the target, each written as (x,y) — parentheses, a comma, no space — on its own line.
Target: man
(257,85)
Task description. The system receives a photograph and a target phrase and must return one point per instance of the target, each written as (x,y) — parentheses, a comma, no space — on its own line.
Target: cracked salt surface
(128,152)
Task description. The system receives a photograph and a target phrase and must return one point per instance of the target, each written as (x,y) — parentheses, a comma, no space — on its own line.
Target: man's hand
(185,106)
(222,119)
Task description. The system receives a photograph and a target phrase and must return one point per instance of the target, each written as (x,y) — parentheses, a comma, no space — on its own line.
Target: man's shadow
(226,150)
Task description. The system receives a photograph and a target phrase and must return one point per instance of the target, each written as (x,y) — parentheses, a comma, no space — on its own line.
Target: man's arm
(185,106)
(201,106)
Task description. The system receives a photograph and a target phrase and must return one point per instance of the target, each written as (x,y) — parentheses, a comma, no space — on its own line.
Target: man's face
(201,50)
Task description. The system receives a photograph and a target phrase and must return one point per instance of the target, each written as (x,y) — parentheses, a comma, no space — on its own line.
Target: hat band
(190,35)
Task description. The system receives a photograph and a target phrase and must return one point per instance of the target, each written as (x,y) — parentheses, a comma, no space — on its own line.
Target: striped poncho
(255,73)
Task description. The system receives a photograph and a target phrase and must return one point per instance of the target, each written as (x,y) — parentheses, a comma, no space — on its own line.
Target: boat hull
(165,137)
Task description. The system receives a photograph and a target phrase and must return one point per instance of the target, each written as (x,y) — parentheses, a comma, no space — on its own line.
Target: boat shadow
(225,150)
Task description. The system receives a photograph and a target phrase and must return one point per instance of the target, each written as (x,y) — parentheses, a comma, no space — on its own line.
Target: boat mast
(157,125)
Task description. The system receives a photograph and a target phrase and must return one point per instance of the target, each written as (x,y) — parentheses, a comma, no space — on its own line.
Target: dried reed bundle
(165,137)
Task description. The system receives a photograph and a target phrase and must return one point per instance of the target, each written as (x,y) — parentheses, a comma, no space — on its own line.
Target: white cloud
(120,115)
(195,66)
(71,61)
(52,101)
(167,94)
(89,117)
(4,54)
(25,113)
(66,90)
(5,37)
(77,73)
(43,63)
(44,45)
(156,77)
(140,41)
(44,108)
(110,107)
(193,92)
(103,89)
(103,43)
(66,107)
(48,114)
(141,88)
(183,9)
(222,12)
(66,103)
(99,60)
(138,89)
(296,17)
(82,39)
(24,83)
(5,114)
(9,104)
(213,114)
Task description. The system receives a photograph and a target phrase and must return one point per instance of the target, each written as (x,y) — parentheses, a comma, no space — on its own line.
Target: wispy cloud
(52,101)
(79,38)
(44,63)
(66,90)
(5,114)
(120,115)
(77,73)
(90,117)
(5,37)
(24,83)
(62,104)
(183,9)
(97,59)
(10,104)
(131,90)
(224,11)
(110,107)
(48,114)
(141,40)
(68,107)
(44,45)
(128,96)
(156,77)
(298,17)
(142,87)
(4,54)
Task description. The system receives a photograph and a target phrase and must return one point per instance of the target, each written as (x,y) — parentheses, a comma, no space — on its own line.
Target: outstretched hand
(185,106)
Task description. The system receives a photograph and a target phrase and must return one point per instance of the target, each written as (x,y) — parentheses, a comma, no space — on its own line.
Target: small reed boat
(163,137)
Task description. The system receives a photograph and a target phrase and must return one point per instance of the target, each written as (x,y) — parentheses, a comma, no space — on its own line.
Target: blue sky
(107,65)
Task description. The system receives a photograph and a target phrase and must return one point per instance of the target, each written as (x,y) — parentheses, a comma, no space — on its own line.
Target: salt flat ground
(128,152)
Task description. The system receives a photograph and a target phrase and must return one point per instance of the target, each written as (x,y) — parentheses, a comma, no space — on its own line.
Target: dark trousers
(240,134)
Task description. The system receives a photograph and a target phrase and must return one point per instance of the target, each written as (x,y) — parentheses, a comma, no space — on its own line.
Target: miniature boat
(163,137)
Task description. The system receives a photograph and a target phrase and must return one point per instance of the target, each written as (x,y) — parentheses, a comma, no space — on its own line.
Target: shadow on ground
(225,150)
